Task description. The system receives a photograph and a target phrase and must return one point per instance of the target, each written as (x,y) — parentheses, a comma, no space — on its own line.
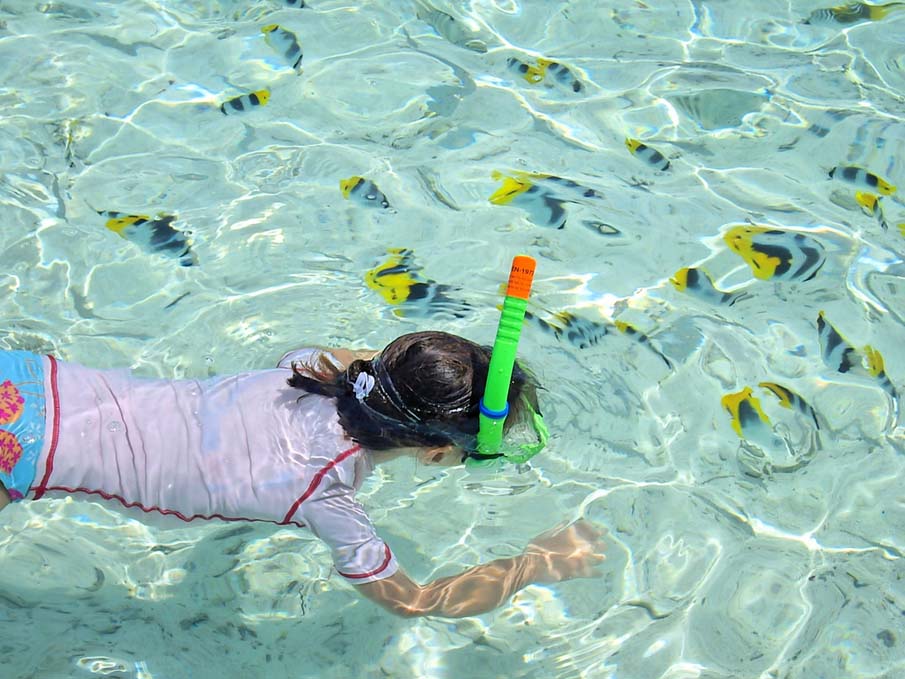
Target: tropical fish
(364,192)
(873,363)
(748,418)
(837,354)
(156,235)
(862,178)
(697,282)
(789,399)
(399,282)
(652,157)
(851,13)
(284,42)
(774,254)
(533,74)
(295,3)
(560,74)
(450,28)
(840,355)
(871,205)
(245,102)
(543,207)
(641,338)
(576,330)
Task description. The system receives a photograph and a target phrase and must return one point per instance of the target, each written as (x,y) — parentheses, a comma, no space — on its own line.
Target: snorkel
(494,405)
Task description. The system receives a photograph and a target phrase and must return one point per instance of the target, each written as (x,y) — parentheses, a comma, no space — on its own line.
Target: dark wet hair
(427,391)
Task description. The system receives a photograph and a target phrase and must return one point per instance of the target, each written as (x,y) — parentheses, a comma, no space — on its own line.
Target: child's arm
(562,554)
(4,496)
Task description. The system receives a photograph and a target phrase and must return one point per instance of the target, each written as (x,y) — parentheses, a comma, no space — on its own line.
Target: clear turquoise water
(777,556)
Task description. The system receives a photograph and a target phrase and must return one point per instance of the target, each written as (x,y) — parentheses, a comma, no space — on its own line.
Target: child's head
(424,389)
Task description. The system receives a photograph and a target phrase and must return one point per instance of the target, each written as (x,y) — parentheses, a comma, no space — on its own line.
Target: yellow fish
(285,43)
(697,282)
(642,339)
(542,206)
(789,399)
(748,418)
(851,13)
(838,354)
(399,282)
(576,330)
(774,254)
(363,191)
(533,74)
(862,178)
(561,74)
(155,235)
(650,156)
(871,205)
(245,102)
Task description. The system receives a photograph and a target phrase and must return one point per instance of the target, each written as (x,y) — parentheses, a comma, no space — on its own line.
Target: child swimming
(288,445)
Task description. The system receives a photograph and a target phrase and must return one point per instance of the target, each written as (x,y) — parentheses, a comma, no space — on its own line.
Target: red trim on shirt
(357,576)
(161,510)
(318,477)
(55,433)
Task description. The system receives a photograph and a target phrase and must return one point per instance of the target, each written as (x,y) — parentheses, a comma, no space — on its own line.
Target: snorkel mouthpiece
(494,405)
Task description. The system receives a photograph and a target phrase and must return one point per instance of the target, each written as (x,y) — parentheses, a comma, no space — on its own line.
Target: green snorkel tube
(494,404)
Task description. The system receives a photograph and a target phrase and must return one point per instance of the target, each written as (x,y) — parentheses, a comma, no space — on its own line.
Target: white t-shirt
(241,447)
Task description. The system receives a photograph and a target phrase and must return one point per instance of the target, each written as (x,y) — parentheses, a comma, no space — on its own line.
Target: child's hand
(566,553)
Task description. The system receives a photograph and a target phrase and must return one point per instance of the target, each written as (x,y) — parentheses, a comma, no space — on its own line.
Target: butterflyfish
(873,363)
(774,254)
(789,399)
(560,74)
(284,42)
(747,417)
(450,28)
(364,192)
(851,13)
(245,102)
(871,205)
(576,330)
(153,235)
(641,338)
(650,156)
(544,208)
(533,74)
(698,283)
(863,179)
(399,282)
(837,354)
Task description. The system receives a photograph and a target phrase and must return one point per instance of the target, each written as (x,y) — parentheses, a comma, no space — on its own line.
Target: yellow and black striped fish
(851,13)
(641,338)
(155,235)
(873,363)
(560,74)
(650,156)
(774,254)
(397,279)
(789,399)
(837,353)
(871,205)
(748,418)
(698,283)
(576,330)
(544,208)
(364,192)
(862,179)
(245,102)
(284,42)
(533,74)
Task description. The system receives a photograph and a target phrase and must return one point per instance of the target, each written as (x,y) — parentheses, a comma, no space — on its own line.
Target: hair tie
(364,383)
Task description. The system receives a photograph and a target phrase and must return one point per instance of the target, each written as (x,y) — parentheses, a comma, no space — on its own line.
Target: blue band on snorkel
(494,414)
